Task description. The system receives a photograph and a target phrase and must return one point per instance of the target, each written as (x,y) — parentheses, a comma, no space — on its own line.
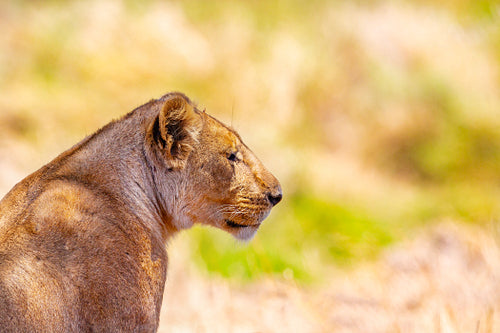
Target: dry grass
(389,107)
(446,279)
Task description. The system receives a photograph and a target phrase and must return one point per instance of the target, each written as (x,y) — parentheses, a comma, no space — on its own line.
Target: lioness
(82,240)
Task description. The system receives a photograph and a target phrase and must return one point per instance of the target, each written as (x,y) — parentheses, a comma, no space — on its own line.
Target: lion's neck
(115,161)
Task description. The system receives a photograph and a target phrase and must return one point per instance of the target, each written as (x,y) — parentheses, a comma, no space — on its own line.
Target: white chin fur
(245,234)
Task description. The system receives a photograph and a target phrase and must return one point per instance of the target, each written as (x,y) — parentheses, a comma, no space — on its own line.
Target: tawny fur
(82,240)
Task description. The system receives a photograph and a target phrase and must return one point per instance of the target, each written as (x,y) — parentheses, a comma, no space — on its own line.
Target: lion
(83,239)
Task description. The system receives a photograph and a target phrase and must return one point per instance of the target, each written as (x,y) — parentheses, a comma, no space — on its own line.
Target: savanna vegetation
(378,117)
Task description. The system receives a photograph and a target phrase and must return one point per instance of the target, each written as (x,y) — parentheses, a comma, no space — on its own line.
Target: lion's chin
(244,232)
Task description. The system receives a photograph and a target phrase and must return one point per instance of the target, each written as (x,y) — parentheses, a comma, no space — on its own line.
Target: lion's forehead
(221,133)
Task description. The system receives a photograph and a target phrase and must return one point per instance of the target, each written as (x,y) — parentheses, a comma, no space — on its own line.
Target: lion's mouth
(233,224)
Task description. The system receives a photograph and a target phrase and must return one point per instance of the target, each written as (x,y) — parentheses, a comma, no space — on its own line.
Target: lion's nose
(275,196)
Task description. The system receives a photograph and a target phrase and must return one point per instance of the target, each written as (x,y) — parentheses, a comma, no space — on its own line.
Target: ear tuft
(177,129)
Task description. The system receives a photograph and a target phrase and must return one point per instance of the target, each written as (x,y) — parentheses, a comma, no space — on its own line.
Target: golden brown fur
(82,240)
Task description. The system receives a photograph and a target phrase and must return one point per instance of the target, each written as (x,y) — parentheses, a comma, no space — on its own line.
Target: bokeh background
(380,118)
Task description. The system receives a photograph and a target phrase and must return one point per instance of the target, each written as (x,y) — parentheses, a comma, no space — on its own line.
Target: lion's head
(209,176)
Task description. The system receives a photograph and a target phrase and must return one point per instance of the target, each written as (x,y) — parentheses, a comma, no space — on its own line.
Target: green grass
(299,238)
(306,235)
(426,130)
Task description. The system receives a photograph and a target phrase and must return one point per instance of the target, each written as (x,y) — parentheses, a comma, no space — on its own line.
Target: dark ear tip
(175,103)
(174,94)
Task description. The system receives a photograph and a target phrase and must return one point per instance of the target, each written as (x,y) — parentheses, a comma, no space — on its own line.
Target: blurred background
(380,118)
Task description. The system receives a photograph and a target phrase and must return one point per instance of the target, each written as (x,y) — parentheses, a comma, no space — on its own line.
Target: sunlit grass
(297,240)
(401,99)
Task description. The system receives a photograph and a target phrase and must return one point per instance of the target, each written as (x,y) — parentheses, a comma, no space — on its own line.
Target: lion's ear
(177,130)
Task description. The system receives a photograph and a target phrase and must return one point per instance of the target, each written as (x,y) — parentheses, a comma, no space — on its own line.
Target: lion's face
(223,184)
(236,191)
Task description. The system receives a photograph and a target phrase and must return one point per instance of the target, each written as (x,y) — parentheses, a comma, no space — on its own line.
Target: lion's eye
(232,157)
